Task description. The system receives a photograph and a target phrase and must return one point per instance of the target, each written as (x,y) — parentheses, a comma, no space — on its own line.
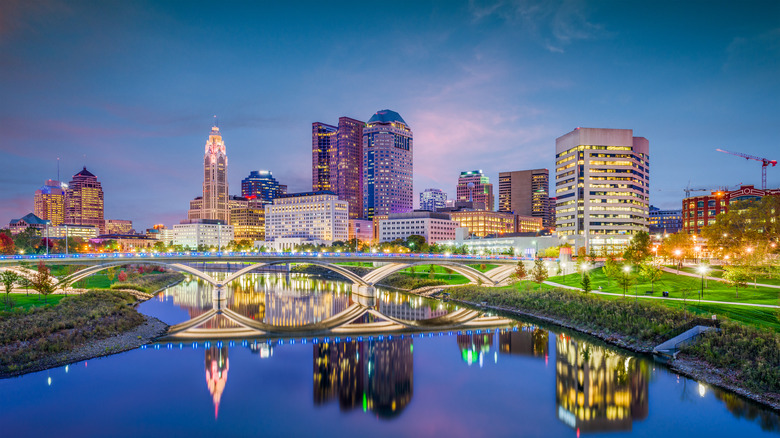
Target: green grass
(25,301)
(677,285)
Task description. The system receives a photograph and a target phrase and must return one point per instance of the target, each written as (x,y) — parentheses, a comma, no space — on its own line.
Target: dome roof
(386,116)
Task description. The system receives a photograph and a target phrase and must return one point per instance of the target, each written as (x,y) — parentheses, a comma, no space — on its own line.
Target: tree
(650,272)
(6,243)
(539,272)
(42,282)
(639,249)
(592,255)
(611,268)
(581,254)
(736,276)
(625,280)
(122,276)
(747,224)
(431,273)
(586,285)
(28,240)
(8,278)
(520,271)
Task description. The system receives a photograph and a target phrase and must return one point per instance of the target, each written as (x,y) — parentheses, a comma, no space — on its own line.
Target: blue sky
(130,88)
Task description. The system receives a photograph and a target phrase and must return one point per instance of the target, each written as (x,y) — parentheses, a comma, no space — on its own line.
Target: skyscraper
(337,161)
(387,165)
(526,193)
(602,179)
(432,199)
(480,191)
(84,201)
(215,184)
(50,202)
(260,185)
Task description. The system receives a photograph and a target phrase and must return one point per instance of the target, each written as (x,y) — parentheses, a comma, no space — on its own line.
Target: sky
(129,89)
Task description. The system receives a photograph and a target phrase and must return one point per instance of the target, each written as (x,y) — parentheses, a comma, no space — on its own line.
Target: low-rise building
(193,234)
(160,232)
(483,223)
(700,211)
(435,227)
(362,230)
(312,215)
(125,242)
(118,226)
(70,231)
(519,245)
(528,224)
(29,220)
(664,221)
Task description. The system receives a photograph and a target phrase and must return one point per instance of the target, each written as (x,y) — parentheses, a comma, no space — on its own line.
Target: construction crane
(765,162)
(688,190)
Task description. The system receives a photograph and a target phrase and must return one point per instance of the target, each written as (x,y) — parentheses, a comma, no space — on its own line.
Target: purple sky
(130,88)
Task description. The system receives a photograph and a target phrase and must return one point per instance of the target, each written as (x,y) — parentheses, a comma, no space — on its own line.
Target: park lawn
(479,267)
(453,278)
(25,301)
(679,286)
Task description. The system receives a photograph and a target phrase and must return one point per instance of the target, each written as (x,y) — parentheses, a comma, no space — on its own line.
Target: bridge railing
(216,255)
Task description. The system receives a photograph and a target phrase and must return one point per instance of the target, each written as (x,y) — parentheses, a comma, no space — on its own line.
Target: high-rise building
(261,185)
(337,161)
(432,199)
(50,202)
(387,165)
(602,180)
(215,183)
(475,186)
(84,201)
(526,193)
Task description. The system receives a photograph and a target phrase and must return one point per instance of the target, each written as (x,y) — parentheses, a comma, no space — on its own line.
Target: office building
(362,230)
(475,186)
(29,220)
(247,216)
(50,202)
(433,200)
(317,216)
(337,161)
(160,232)
(387,165)
(527,224)
(261,185)
(602,180)
(435,227)
(70,231)
(202,234)
(664,221)
(700,211)
(214,205)
(84,201)
(526,193)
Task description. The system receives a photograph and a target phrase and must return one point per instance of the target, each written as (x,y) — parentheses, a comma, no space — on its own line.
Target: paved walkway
(650,297)
(688,274)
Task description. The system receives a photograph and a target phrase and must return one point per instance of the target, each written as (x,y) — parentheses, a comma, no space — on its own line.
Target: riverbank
(80,327)
(741,359)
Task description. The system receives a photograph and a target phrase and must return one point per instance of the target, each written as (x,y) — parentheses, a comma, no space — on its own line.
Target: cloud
(554,24)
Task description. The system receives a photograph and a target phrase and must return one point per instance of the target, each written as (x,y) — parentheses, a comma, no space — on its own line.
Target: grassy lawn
(24,301)
(679,286)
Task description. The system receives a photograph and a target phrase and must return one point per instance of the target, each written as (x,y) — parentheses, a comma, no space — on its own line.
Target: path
(688,274)
(731,303)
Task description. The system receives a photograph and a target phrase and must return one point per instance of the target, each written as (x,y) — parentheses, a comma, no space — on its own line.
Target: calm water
(518,381)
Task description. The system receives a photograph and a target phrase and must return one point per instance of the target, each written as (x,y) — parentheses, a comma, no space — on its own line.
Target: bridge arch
(472,274)
(84,273)
(356,279)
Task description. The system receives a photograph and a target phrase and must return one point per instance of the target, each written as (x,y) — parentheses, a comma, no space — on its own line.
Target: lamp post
(702,270)
(677,254)
(626,270)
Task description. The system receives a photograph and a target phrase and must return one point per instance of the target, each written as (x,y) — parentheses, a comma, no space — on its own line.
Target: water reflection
(375,376)
(217,366)
(597,389)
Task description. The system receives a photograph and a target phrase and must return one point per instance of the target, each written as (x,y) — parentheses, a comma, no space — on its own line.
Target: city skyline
(493,95)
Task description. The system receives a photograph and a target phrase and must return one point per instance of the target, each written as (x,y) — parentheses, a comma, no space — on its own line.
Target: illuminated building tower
(215,184)
(217,366)
(475,186)
(525,193)
(337,161)
(260,185)
(50,202)
(602,180)
(387,165)
(84,201)
(432,199)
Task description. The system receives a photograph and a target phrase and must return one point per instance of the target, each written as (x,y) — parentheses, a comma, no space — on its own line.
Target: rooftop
(386,116)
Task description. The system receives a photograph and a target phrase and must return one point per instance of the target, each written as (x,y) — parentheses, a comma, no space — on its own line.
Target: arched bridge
(391,263)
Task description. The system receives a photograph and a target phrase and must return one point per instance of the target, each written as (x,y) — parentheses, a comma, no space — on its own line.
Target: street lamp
(702,270)
(626,270)
(677,254)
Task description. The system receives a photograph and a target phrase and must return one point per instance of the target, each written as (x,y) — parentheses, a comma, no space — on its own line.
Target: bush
(147,283)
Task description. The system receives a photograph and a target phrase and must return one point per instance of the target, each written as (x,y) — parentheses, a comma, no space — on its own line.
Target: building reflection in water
(375,376)
(598,390)
(217,366)
(528,340)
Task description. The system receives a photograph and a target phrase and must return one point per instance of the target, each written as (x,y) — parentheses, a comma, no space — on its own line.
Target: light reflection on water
(524,380)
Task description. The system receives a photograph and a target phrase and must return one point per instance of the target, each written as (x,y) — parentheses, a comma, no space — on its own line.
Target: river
(517,380)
